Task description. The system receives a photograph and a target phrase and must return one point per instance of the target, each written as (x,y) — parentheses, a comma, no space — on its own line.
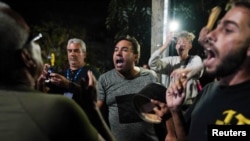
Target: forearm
(179,125)
(155,61)
(164,46)
(98,121)
(170,129)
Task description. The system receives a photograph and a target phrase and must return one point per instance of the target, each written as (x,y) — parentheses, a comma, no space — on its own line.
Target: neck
(184,57)
(19,78)
(130,74)
(241,75)
(76,67)
(234,79)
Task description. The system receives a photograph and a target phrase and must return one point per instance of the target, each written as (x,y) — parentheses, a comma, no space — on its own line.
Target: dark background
(89,11)
(90,16)
(86,15)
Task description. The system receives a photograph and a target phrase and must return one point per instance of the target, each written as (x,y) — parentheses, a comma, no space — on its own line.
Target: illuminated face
(228,43)
(76,56)
(123,57)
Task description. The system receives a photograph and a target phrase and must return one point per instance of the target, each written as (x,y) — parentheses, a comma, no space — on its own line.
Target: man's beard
(230,63)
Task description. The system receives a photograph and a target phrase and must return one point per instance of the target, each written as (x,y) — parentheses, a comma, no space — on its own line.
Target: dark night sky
(88,12)
(37,7)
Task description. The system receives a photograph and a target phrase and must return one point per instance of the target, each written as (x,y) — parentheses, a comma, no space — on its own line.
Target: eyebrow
(121,47)
(226,22)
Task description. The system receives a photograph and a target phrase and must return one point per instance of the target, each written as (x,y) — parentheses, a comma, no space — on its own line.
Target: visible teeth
(209,53)
(119,61)
(207,50)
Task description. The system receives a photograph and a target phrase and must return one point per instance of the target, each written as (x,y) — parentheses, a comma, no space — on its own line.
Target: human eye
(228,29)
(178,42)
(125,49)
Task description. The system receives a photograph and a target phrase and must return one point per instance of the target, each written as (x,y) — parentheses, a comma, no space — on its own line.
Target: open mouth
(210,57)
(119,62)
(209,53)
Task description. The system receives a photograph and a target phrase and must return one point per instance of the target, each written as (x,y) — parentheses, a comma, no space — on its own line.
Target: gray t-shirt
(117,93)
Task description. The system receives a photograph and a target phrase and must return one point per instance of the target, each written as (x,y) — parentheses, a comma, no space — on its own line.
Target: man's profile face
(229,43)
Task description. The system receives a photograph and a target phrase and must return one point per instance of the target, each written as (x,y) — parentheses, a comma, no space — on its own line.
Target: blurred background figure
(174,66)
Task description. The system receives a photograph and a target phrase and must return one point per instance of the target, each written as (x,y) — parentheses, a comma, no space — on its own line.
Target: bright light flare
(173,26)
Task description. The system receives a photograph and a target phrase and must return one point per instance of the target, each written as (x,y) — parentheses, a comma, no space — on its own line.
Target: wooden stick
(214,14)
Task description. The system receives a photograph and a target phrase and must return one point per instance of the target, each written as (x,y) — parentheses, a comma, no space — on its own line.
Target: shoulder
(94,70)
(53,102)
(50,107)
(171,59)
(148,72)
(195,60)
(40,106)
(107,75)
(55,114)
(195,57)
(210,86)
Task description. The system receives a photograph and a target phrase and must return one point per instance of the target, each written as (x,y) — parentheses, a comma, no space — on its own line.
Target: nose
(210,38)
(182,44)
(71,53)
(118,52)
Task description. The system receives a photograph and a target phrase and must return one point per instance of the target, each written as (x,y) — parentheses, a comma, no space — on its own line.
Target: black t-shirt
(219,105)
(76,77)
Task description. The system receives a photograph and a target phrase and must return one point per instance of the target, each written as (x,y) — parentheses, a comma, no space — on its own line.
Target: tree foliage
(131,17)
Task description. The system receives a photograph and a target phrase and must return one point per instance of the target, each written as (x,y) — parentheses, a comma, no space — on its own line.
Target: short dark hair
(135,44)
(245,3)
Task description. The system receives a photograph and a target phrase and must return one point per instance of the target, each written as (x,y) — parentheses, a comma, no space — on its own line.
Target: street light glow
(173,26)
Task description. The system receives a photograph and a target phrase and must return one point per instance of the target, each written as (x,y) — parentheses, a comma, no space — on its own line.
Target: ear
(85,54)
(136,58)
(248,51)
(27,59)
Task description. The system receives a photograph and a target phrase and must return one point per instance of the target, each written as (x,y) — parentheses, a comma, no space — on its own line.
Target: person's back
(31,116)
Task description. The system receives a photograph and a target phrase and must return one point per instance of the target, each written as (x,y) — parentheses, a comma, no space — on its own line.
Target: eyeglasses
(32,40)
(39,36)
